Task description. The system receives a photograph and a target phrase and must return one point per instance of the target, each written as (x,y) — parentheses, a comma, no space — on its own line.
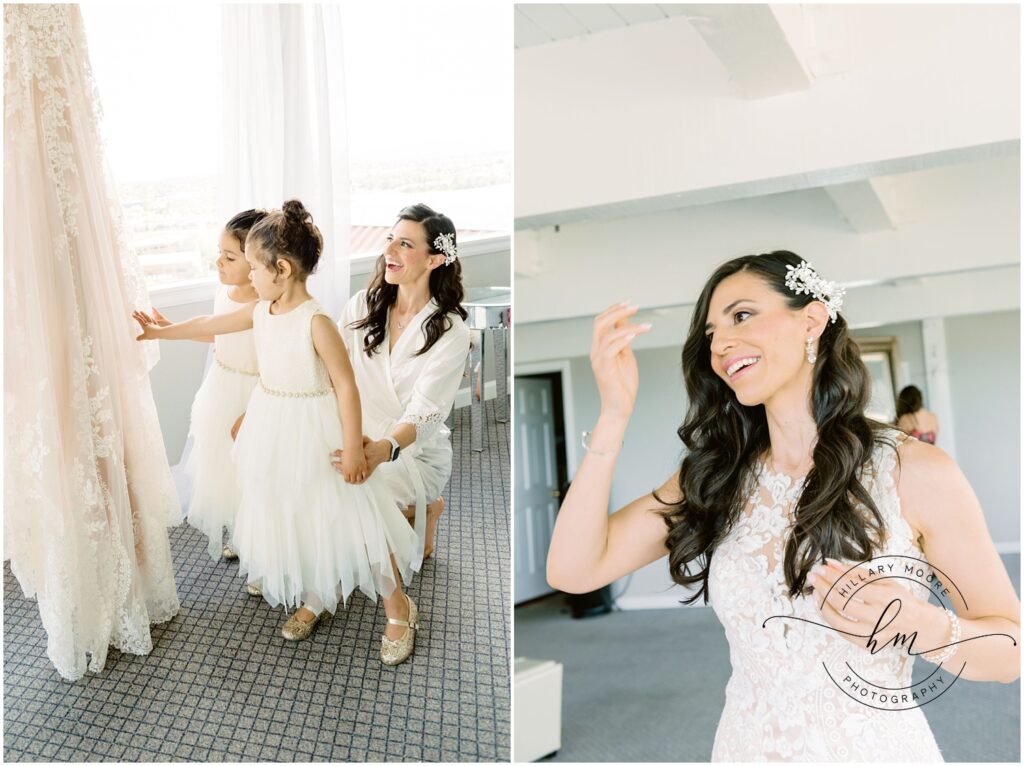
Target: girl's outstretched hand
(159,319)
(149,325)
(612,360)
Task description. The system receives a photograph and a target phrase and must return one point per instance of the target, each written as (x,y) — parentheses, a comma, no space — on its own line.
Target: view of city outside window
(421,128)
(162,129)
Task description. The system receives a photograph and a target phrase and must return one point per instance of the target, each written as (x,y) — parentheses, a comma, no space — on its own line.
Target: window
(161,125)
(429,105)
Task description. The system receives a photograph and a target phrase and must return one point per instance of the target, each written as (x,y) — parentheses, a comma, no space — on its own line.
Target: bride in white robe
(414,296)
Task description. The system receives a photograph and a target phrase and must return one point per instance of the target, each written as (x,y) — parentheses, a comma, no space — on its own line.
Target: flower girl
(223,396)
(309,536)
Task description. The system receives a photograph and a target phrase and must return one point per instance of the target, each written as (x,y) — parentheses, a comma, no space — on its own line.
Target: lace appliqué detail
(40,38)
(88,489)
(425,423)
(46,55)
(780,703)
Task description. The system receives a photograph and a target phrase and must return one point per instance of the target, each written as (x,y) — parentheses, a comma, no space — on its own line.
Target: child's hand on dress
(236,426)
(353,465)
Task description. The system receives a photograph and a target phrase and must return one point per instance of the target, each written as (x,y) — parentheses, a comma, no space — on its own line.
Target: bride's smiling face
(757,341)
(407,257)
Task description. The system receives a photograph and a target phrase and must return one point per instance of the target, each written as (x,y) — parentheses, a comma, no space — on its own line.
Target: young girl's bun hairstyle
(288,233)
(241,224)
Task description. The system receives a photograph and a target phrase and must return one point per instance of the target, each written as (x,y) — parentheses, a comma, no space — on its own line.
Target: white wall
(984,363)
(652,451)
(176,378)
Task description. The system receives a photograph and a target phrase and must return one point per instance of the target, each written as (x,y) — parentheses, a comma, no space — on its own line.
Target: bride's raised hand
(612,360)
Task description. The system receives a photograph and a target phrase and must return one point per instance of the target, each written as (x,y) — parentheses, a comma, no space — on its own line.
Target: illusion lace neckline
(769,476)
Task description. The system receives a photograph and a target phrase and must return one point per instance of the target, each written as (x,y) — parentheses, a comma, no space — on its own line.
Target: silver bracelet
(954,636)
(585,438)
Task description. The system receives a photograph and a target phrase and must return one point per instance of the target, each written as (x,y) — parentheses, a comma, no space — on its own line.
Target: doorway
(541,476)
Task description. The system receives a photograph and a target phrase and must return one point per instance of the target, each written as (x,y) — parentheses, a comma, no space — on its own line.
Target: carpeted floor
(221,685)
(649,686)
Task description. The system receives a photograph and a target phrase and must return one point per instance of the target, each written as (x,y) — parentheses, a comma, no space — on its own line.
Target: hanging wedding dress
(88,493)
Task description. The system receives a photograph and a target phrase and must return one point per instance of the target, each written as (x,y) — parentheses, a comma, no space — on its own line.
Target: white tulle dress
(301,528)
(223,396)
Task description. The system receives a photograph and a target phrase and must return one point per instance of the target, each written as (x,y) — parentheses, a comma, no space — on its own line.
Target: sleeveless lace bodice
(780,702)
(288,363)
(235,351)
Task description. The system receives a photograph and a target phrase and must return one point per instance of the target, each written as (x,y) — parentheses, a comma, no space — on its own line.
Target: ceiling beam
(861,205)
(752,44)
(762,187)
(555,22)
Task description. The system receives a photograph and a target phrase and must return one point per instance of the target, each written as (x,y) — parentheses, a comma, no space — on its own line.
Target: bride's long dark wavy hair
(445,287)
(725,440)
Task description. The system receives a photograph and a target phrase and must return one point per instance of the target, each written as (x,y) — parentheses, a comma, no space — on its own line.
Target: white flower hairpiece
(446,244)
(804,279)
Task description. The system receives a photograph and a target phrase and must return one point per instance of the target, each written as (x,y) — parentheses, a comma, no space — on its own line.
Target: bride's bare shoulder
(930,485)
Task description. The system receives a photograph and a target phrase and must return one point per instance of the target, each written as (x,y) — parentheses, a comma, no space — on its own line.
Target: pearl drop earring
(811,356)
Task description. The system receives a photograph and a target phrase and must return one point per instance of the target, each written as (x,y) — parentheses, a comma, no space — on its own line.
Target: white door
(536,482)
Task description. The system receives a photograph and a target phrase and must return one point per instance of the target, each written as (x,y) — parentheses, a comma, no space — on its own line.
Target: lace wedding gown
(780,705)
(88,493)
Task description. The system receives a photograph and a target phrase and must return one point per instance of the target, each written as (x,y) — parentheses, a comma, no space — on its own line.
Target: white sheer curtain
(284,125)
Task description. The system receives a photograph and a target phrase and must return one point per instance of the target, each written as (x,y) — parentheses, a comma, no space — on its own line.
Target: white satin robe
(402,387)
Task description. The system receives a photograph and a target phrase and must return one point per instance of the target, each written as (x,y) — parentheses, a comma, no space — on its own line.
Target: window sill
(362,263)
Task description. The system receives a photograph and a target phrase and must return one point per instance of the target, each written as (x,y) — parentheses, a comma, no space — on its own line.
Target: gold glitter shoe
(229,553)
(253,589)
(398,651)
(299,630)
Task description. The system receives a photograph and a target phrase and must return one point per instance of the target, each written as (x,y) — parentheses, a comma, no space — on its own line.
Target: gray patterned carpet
(649,686)
(221,685)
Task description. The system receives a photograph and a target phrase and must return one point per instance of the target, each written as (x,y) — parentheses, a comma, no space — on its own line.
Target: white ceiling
(540,24)
(737,101)
(889,155)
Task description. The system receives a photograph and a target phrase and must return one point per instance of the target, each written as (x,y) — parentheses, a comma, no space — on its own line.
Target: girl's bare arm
(197,327)
(331,349)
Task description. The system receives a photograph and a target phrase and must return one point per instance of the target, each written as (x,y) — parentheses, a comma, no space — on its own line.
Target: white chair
(538,711)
